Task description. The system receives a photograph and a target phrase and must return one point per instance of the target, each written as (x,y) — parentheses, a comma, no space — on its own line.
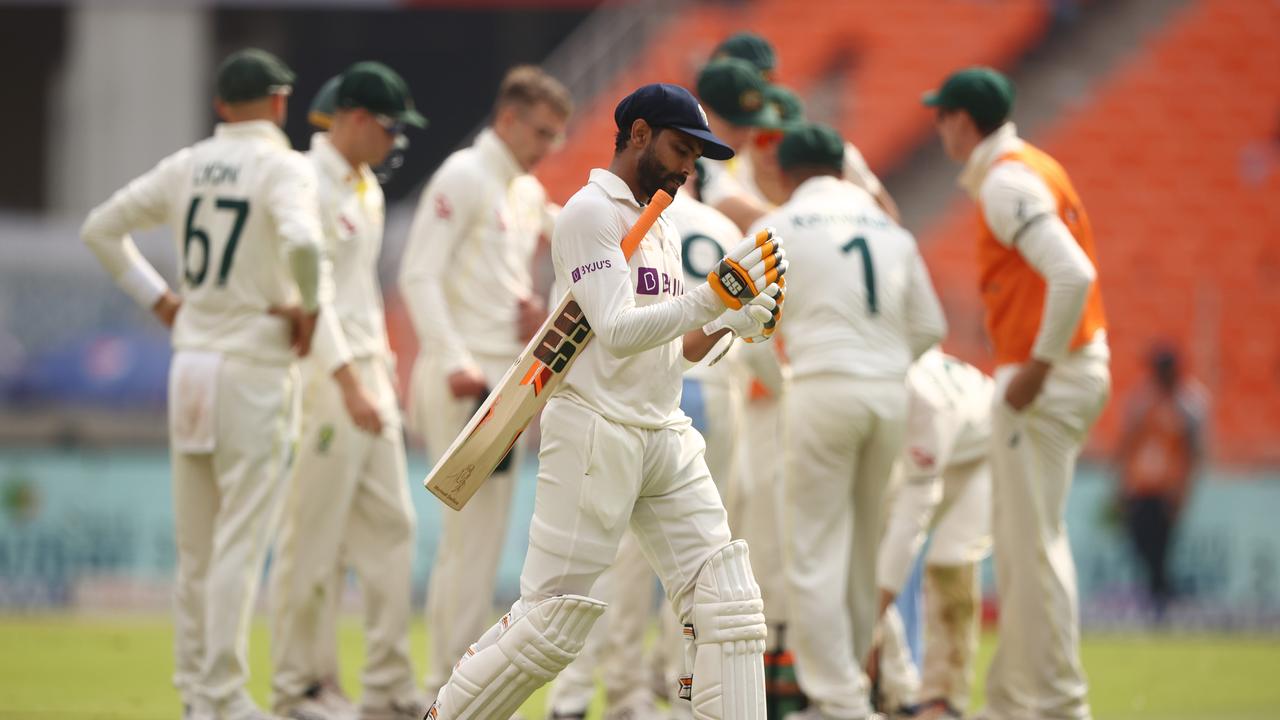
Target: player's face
(533,132)
(951,130)
(667,161)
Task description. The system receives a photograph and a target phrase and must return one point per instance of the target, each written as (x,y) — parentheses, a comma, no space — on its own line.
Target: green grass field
(118,668)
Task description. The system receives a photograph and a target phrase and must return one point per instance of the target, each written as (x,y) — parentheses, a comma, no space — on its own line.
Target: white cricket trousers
(616,645)
(761,488)
(225,509)
(842,437)
(1036,671)
(347,504)
(460,603)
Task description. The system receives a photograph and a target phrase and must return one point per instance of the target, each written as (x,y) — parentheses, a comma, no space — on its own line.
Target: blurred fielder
(1046,321)
(616,450)
(348,500)
(243,208)
(866,311)
(946,491)
(467,281)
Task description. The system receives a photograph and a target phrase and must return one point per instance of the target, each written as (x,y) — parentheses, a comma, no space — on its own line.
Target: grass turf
(116,668)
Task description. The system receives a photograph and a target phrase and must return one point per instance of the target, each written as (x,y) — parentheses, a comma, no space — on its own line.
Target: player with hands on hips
(243,208)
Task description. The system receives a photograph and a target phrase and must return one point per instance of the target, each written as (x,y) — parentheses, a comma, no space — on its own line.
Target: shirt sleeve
(1023,214)
(295,209)
(926,323)
(330,345)
(858,172)
(586,235)
(145,202)
(444,213)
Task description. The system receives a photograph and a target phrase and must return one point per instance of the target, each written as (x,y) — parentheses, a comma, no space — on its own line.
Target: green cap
(750,47)
(986,94)
(788,104)
(735,91)
(380,90)
(811,145)
(325,103)
(251,74)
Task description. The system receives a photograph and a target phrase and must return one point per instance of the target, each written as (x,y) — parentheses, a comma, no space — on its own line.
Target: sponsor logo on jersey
(922,458)
(584,270)
(326,439)
(651,282)
(444,210)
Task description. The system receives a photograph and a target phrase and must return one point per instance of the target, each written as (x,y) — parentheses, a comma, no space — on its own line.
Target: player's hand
(753,265)
(361,408)
(467,382)
(754,321)
(1026,384)
(531,312)
(166,308)
(302,326)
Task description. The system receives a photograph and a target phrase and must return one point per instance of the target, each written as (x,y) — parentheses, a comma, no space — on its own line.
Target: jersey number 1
(195,276)
(868,270)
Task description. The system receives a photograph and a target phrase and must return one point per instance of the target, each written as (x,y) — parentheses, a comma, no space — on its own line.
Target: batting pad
(515,657)
(729,634)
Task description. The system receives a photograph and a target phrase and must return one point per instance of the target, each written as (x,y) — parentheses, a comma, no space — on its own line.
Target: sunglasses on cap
(390,125)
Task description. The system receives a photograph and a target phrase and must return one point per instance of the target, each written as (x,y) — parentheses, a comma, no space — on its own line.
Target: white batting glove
(753,322)
(757,262)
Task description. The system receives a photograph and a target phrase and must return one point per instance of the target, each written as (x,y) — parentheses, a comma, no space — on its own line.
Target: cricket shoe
(411,708)
(318,702)
(557,715)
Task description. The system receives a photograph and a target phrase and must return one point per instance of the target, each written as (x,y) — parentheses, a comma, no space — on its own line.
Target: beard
(653,176)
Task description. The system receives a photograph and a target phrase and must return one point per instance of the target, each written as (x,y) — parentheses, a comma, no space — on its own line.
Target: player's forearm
(304,264)
(697,343)
(1049,248)
(106,235)
(625,329)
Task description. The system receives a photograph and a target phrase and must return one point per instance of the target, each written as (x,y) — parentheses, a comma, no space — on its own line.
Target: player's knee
(726,599)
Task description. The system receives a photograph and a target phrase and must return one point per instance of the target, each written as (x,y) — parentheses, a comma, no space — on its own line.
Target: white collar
(498,156)
(264,129)
(613,186)
(333,163)
(984,155)
(819,185)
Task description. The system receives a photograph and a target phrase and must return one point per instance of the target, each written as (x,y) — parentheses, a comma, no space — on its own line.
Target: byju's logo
(583,270)
(648,281)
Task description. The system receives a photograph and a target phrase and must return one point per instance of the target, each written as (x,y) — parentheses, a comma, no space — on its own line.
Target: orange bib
(1012,291)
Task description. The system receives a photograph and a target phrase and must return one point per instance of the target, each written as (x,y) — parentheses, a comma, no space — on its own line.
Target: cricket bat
(524,389)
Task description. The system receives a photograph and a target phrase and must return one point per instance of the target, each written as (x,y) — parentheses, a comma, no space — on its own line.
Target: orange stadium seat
(1177,158)
(870,50)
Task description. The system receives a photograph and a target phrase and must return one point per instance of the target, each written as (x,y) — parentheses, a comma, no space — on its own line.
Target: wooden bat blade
(524,389)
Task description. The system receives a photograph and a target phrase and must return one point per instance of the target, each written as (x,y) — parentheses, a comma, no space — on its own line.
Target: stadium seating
(1177,158)
(864,55)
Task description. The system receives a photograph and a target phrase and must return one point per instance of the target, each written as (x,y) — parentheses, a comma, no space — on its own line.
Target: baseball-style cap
(251,74)
(789,106)
(985,93)
(811,145)
(380,90)
(750,47)
(325,103)
(735,91)
(671,106)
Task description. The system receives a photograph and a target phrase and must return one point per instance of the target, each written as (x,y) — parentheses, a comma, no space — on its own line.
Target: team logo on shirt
(325,440)
(923,458)
(444,210)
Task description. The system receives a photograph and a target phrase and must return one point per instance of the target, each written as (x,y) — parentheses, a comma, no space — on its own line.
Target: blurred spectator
(1157,458)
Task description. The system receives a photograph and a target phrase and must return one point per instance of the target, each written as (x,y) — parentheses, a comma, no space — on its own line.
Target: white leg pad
(515,657)
(729,634)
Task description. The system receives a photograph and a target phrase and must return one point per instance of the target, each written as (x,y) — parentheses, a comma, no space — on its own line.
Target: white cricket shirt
(631,372)
(859,299)
(467,262)
(237,202)
(948,414)
(352,213)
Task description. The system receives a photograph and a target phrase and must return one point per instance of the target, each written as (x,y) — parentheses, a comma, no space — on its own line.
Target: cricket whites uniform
(712,399)
(243,208)
(617,454)
(946,491)
(1038,279)
(850,344)
(466,267)
(348,499)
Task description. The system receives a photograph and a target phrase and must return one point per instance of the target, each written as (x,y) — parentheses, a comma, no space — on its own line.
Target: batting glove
(753,322)
(755,263)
